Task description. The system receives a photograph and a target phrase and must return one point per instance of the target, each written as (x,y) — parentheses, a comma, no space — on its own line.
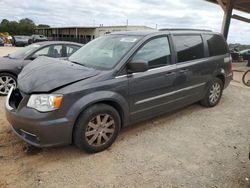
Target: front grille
(15,98)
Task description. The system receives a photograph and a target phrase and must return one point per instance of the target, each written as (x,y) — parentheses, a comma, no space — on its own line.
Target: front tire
(213,93)
(97,128)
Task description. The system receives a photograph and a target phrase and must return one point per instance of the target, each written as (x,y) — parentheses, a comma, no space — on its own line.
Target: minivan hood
(46,74)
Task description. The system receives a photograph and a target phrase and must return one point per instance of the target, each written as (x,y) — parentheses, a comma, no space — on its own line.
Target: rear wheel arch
(213,93)
(222,78)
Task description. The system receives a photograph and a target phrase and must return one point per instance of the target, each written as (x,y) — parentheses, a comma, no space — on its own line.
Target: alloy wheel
(100,130)
(215,92)
(6,82)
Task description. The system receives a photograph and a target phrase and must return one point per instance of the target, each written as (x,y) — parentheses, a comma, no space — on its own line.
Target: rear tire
(97,128)
(213,93)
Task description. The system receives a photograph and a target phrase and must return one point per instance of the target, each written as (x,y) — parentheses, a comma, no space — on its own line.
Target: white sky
(165,13)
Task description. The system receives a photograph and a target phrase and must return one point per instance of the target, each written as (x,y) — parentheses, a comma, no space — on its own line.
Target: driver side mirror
(34,56)
(137,66)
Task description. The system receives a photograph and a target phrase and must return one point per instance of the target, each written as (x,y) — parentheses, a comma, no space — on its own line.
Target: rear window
(189,47)
(216,45)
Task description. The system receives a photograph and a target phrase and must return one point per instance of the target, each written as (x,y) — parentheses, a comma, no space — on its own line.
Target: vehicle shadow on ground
(125,134)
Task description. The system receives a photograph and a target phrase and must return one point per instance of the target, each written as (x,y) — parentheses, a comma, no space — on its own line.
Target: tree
(24,27)
(4,26)
(13,27)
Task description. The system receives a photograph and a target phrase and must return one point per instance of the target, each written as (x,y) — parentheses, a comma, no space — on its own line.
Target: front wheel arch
(8,72)
(111,103)
(81,125)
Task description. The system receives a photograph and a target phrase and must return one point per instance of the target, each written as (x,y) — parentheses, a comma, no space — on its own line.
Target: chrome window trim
(122,76)
(150,70)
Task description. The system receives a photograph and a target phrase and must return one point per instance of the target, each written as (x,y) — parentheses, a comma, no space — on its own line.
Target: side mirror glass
(137,66)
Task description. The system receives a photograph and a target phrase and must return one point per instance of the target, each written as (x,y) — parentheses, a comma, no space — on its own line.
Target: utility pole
(227,17)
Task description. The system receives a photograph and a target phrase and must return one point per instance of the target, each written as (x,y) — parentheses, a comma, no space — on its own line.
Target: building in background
(84,34)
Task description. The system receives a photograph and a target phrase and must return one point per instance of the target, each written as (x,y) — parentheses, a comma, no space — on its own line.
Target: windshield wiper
(78,63)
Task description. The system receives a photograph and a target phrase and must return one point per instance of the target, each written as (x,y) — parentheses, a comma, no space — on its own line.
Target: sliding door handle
(184,70)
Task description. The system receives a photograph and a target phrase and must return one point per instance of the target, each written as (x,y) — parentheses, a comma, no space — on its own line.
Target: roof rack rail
(182,29)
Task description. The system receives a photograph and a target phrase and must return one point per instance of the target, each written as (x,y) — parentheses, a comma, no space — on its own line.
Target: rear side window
(189,47)
(216,45)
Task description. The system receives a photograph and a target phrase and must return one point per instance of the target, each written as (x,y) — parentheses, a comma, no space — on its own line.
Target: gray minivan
(115,81)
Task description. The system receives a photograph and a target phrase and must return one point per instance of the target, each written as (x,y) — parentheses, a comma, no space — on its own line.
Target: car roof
(44,43)
(164,31)
(135,33)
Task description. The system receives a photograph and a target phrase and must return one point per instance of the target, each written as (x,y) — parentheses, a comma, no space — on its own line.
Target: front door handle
(170,73)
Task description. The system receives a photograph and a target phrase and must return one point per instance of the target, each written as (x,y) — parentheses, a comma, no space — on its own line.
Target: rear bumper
(228,79)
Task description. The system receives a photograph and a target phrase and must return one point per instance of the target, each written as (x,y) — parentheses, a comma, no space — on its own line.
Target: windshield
(104,52)
(23,52)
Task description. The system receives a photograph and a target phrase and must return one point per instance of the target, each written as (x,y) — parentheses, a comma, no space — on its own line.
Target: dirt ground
(192,147)
(7,50)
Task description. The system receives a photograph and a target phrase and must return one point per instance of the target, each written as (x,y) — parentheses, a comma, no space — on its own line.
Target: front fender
(98,97)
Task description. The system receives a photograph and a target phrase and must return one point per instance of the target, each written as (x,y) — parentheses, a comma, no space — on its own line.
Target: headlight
(45,102)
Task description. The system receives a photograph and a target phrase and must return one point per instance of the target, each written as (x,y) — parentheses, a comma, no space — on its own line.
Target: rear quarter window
(188,47)
(216,45)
